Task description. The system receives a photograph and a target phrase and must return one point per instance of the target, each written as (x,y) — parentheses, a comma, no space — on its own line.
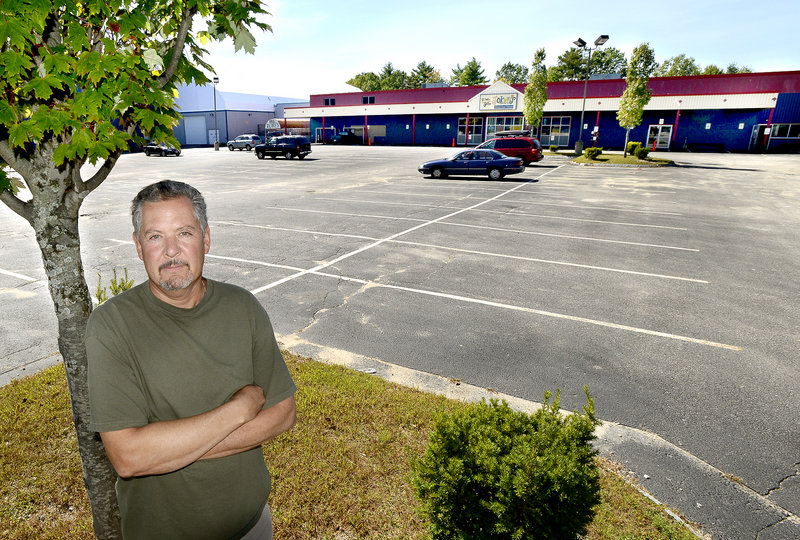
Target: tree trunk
(54,217)
(625,148)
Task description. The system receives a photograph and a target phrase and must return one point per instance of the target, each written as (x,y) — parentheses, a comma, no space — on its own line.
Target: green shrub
(593,152)
(490,472)
(632,146)
(642,152)
(553,148)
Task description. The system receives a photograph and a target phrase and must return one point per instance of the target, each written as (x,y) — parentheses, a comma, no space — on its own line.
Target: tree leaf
(243,39)
(18,135)
(153,59)
(7,115)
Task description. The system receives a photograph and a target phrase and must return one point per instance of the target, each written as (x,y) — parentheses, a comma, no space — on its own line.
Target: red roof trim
(691,85)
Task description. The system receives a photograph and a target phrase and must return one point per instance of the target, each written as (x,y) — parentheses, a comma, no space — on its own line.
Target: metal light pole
(215,80)
(582,45)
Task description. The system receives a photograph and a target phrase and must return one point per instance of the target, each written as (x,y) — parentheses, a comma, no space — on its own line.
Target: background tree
(609,60)
(536,92)
(677,66)
(733,68)
(80,82)
(423,74)
(393,79)
(366,82)
(712,69)
(511,73)
(470,75)
(571,66)
(636,94)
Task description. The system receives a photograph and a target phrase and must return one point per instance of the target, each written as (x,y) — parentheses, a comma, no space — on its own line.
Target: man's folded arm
(163,447)
(268,424)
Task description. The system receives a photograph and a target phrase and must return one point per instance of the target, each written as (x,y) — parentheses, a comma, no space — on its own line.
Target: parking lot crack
(795,474)
(331,296)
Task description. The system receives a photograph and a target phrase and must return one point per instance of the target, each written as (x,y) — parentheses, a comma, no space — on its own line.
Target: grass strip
(342,473)
(617,159)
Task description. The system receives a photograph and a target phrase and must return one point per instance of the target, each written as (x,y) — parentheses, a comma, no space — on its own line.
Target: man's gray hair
(164,191)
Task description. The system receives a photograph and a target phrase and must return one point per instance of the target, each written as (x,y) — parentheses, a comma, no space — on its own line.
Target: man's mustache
(173,262)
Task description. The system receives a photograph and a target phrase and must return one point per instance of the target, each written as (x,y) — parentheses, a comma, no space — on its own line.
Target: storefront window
(503,123)
(786,131)
(555,130)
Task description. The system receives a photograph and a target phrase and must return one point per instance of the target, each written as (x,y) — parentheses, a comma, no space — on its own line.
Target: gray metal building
(236,114)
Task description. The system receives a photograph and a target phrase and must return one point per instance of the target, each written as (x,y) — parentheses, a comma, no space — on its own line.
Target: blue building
(747,112)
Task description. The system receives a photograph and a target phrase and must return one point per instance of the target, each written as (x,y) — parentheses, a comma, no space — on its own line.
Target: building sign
(495,102)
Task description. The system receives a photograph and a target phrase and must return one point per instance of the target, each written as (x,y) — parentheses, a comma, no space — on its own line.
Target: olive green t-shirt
(150,361)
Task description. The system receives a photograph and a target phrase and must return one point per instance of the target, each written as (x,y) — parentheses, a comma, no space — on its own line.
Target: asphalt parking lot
(671,292)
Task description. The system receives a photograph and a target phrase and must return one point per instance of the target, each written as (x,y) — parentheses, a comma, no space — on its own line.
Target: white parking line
(527,201)
(571,237)
(461,250)
(440,220)
(392,237)
(316,271)
(522,214)
(565,317)
(18,276)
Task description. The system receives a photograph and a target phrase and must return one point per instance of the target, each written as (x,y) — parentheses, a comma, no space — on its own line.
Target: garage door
(195,129)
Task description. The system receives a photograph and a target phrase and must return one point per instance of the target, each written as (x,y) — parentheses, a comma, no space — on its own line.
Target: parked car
(528,149)
(161,149)
(345,137)
(244,142)
(474,161)
(288,146)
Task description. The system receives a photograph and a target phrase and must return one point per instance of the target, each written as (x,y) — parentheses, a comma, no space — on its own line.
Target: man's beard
(175,283)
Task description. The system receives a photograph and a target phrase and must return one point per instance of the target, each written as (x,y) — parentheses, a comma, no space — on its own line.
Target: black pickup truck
(288,146)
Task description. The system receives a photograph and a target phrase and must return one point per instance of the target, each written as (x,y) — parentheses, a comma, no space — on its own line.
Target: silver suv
(244,142)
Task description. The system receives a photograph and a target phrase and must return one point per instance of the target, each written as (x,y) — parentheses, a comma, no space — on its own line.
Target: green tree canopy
(393,79)
(423,74)
(470,75)
(82,80)
(388,79)
(677,66)
(609,60)
(536,91)
(367,82)
(636,94)
(511,73)
(733,68)
(571,64)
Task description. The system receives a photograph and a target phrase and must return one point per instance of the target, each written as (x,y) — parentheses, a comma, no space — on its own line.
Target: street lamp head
(599,41)
(580,43)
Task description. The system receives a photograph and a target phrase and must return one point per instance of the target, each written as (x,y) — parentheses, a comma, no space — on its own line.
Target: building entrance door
(758,138)
(472,136)
(661,134)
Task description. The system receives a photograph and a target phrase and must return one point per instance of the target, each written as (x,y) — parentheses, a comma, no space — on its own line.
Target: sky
(317,45)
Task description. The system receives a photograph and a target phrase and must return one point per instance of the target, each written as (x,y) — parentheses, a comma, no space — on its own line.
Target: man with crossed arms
(186,382)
